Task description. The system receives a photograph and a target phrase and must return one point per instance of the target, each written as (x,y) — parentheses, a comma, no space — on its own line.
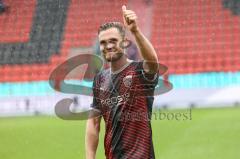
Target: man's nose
(110,45)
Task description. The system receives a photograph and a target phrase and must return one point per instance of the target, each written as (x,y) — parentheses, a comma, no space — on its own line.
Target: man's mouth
(111,52)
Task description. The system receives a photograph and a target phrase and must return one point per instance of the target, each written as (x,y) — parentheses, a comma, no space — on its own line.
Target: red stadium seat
(187,32)
(189,36)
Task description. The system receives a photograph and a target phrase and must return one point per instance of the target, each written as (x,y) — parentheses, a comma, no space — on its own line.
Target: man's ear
(125,43)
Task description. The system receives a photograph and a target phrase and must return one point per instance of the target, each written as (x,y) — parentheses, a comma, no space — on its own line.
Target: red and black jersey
(125,100)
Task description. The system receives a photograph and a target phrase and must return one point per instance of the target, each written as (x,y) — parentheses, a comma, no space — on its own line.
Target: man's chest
(118,89)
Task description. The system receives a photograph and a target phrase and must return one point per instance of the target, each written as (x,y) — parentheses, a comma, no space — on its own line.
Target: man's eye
(102,43)
(113,41)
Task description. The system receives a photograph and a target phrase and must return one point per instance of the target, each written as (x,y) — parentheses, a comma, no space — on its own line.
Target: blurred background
(198,40)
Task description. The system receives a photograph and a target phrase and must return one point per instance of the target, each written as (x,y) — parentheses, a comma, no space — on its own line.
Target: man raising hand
(119,94)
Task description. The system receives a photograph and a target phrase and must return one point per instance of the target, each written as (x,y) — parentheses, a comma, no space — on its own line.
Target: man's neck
(117,65)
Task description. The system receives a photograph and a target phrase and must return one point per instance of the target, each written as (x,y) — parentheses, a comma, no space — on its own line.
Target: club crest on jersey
(127,81)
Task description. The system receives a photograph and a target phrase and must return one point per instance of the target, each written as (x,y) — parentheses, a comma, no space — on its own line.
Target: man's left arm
(147,51)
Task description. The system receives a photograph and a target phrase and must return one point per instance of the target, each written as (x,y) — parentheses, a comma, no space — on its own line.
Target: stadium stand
(2,7)
(197,40)
(36,32)
(42,28)
(196,36)
(46,34)
(233,5)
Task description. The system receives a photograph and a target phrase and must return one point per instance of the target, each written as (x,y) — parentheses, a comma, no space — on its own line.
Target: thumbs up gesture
(129,19)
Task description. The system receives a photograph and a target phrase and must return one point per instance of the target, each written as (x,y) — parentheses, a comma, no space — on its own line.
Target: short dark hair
(109,25)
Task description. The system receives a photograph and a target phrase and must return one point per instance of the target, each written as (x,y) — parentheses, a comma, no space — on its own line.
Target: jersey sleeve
(96,104)
(148,78)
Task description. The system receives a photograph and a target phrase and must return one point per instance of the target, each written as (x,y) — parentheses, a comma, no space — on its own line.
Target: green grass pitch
(211,134)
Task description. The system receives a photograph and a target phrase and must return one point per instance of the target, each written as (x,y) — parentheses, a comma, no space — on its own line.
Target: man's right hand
(92,137)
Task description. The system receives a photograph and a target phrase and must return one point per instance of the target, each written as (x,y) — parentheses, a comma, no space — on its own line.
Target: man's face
(110,40)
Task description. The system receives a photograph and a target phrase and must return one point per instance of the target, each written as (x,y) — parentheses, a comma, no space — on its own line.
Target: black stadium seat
(47,31)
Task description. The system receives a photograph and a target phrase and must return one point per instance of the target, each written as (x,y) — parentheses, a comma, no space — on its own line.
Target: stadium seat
(187,31)
(42,33)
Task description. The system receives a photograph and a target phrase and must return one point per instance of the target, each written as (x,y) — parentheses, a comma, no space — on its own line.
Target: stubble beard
(114,57)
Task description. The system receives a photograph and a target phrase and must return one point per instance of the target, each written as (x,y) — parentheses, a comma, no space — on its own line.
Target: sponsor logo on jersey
(127,81)
(121,99)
